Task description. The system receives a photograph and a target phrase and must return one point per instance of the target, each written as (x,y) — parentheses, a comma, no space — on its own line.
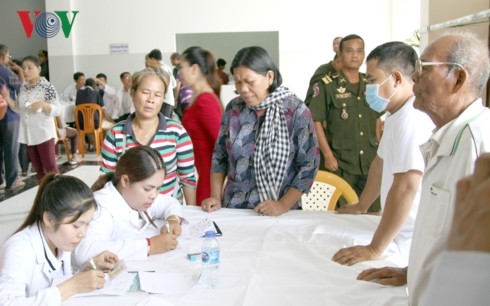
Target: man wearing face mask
(396,171)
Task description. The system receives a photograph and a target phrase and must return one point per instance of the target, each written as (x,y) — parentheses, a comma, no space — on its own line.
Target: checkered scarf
(272,146)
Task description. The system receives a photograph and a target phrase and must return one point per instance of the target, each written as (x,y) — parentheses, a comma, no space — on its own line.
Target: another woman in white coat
(130,209)
(35,266)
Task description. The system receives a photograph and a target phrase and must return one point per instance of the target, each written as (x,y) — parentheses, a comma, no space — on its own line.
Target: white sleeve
(100,237)
(459,278)
(19,274)
(165,206)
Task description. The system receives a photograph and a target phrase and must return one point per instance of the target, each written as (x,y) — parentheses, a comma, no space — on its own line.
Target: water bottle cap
(210,234)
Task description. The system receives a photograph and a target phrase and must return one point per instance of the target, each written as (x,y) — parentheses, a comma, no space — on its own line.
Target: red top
(202,121)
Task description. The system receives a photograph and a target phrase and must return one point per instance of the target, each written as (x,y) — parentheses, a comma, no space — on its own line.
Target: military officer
(345,125)
(329,68)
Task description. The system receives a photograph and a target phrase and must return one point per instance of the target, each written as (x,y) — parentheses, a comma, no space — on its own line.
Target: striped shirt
(171,140)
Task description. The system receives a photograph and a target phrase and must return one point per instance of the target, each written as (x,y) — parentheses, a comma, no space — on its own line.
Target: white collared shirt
(119,228)
(460,142)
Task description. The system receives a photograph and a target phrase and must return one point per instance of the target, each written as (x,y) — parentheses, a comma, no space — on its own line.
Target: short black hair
(77,75)
(101,75)
(347,38)
(155,54)
(220,62)
(90,82)
(121,76)
(395,55)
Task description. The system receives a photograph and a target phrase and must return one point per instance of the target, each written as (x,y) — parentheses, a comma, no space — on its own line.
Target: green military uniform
(320,72)
(351,127)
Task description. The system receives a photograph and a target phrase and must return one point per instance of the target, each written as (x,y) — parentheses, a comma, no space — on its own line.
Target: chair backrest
(325,192)
(88,111)
(58,136)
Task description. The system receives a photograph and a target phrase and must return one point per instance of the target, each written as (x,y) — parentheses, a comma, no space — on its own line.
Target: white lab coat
(26,277)
(120,229)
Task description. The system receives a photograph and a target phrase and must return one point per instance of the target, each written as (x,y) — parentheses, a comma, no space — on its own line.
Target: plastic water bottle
(210,260)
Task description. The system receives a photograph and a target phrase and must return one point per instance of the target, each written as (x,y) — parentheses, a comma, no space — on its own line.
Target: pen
(218,231)
(167,227)
(92,263)
(150,220)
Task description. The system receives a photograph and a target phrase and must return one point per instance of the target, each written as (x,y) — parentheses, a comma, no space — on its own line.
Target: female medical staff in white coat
(35,266)
(130,206)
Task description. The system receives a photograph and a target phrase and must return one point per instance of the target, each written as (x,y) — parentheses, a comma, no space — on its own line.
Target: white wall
(12,33)
(438,11)
(306,29)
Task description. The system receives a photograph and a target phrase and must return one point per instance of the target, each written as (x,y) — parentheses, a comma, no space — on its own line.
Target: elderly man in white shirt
(461,275)
(449,77)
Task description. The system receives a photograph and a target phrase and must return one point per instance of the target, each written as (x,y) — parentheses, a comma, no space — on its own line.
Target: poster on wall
(119,48)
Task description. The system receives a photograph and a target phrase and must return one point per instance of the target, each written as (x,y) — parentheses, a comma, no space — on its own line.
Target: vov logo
(47,24)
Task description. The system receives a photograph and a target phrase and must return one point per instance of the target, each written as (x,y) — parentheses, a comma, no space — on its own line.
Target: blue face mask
(377,103)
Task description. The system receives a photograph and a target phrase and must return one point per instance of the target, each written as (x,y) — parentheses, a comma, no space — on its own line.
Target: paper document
(154,301)
(167,283)
(117,286)
(141,266)
(197,229)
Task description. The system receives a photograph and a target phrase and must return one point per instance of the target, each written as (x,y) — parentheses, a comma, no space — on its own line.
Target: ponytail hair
(138,163)
(205,60)
(61,196)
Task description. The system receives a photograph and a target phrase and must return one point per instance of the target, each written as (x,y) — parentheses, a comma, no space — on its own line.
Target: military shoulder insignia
(327,79)
(316,90)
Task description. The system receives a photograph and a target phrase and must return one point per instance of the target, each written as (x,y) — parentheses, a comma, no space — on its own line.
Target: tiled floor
(90,159)
(14,209)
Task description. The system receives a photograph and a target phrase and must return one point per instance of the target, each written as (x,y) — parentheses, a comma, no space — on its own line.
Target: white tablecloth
(67,111)
(283,260)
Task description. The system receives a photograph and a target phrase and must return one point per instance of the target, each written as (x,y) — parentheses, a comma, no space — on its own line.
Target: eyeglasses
(419,64)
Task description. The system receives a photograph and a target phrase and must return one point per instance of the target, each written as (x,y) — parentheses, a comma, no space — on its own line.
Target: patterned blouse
(37,127)
(171,140)
(234,151)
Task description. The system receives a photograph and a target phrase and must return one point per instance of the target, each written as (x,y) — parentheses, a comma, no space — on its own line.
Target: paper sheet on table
(166,283)
(154,301)
(117,286)
(140,266)
(197,229)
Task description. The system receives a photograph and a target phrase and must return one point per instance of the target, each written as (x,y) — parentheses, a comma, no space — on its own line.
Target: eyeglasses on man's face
(419,65)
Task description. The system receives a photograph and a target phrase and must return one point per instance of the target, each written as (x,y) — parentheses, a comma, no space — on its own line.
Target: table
(67,110)
(283,260)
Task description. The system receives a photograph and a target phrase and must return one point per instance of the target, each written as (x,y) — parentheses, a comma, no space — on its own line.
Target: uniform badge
(341,89)
(316,90)
(344,115)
